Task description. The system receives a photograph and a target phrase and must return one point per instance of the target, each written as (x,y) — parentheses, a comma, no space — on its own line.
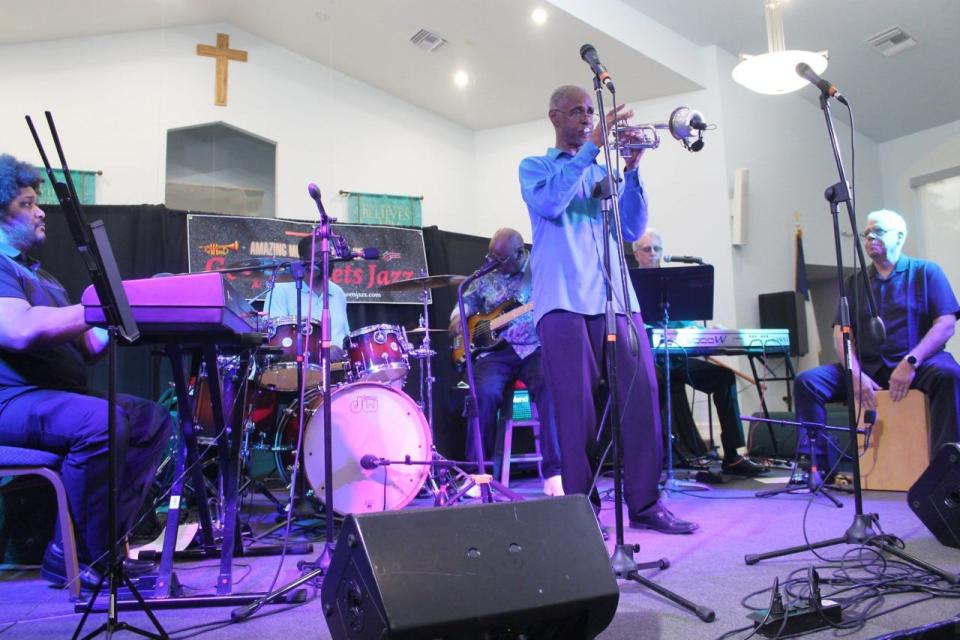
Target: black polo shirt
(59,367)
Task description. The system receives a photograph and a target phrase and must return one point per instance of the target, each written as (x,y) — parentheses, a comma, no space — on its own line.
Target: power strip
(800,619)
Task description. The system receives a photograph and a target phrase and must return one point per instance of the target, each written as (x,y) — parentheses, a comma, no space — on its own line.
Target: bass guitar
(484,328)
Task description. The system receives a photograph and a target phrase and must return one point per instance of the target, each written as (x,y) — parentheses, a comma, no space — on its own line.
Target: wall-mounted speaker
(535,569)
(935,496)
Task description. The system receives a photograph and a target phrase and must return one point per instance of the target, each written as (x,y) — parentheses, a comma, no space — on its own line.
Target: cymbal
(426,282)
(254,264)
(424,330)
(259,268)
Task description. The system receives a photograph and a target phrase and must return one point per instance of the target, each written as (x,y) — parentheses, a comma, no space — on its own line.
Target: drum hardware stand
(861,531)
(622,562)
(439,476)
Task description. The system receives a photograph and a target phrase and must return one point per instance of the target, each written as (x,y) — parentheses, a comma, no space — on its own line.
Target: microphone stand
(861,531)
(622,562)
(312,570)
(480,477)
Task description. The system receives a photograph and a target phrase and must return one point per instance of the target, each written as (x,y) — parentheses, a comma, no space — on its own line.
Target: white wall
(120,94)
(912,156)
(114,97)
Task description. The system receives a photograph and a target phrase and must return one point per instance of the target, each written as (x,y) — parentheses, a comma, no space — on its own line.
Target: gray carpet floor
(706,567)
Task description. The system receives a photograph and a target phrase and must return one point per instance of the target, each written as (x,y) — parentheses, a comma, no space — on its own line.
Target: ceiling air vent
(892,41)
(427,40)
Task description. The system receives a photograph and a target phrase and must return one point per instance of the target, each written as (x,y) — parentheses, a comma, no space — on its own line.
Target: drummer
(282,301)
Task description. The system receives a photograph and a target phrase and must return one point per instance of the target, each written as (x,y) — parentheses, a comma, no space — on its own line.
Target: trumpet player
(569,287)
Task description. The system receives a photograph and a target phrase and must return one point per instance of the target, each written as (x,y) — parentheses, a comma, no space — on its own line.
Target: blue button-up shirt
(567,225)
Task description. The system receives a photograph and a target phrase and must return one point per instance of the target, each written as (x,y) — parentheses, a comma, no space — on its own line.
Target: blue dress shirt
(568,231)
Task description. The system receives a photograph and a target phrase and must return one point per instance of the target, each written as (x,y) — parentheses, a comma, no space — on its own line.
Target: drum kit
(371,414)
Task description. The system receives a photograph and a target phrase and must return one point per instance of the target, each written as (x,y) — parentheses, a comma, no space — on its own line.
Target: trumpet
(684,124)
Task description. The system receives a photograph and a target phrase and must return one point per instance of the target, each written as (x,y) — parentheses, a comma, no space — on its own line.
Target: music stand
(94,247)
(668,295)
(688,292)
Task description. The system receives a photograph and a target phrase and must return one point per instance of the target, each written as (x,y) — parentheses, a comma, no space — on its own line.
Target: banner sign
(83,181)
(215,242)
(378,208)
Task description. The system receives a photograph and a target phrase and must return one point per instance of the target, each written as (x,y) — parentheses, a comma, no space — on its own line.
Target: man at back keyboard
(703,376)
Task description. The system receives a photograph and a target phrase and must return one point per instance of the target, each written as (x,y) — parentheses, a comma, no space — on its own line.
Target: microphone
(825,86)
(364,253)
(489,264)
(370,461)
(683,259)
(314,192)
(589,55)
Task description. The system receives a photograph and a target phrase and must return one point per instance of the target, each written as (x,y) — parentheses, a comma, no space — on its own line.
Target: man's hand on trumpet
(616,117)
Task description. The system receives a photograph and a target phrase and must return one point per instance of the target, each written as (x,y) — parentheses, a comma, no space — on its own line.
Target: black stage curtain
(151,239)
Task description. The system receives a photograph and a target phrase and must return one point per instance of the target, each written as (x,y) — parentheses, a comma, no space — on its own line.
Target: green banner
(83,181)
(377,208)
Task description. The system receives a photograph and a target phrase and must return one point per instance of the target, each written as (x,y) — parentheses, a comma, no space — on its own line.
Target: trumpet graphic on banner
(214,249)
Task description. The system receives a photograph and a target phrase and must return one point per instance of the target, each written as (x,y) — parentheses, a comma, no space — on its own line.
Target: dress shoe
(553,486)
(54,569)
(659,518)
(743,466)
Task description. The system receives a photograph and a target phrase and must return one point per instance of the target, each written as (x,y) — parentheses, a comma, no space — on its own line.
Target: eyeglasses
(875,232)
(517,253)
(650,249)
(577,112)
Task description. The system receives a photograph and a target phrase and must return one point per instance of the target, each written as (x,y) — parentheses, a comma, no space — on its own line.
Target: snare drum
(280,370)
(367,418)
(378,353)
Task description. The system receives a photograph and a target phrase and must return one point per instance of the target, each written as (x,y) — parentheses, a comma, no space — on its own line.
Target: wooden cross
(222,52)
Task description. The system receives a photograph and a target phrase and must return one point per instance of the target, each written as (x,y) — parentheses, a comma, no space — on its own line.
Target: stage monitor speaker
(935,496)
(785,310)
(535,569)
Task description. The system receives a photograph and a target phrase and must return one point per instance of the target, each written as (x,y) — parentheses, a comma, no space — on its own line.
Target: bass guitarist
(512,352)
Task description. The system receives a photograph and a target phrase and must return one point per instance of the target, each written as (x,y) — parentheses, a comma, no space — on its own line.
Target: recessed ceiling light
(461,78)
(539,16)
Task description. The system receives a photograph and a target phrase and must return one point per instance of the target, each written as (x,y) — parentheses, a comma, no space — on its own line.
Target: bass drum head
(368,418)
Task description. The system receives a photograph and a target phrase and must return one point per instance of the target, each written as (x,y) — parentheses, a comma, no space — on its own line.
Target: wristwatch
(911,359)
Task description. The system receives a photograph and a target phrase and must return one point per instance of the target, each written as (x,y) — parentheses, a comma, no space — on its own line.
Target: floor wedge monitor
(536,569)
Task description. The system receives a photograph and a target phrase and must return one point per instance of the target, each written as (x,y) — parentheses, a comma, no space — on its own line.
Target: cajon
(899,445)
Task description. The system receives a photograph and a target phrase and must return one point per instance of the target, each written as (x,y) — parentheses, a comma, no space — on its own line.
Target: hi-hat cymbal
(426,282)
(254,264)
(424,330)
(259,268)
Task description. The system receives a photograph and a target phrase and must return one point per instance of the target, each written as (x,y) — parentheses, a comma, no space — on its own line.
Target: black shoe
(54,569)
(743,466)
(659,518)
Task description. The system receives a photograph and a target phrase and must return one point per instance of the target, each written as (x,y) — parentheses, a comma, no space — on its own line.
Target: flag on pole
(802,286)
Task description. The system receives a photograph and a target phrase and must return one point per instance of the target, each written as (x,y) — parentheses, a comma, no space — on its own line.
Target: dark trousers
(75,426)
(938,377)
(573,363)
(493,371)
(706,377)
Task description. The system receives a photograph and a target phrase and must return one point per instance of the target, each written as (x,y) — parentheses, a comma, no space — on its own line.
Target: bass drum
(367,418)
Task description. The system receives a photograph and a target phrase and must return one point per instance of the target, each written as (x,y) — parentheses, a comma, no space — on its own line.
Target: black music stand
(94,247)
(674,294)
(685,292)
